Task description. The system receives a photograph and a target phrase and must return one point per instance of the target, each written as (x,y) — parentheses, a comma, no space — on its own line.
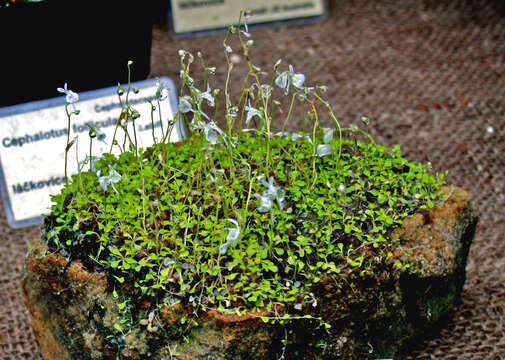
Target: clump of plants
(238,217)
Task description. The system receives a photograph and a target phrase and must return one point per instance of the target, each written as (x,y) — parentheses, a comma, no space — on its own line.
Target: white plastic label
(200,15)
(33,138)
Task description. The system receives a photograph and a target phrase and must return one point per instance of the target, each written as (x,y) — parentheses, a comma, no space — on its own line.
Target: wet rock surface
(372,315)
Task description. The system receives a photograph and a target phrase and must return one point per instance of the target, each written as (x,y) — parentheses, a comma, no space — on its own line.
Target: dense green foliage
(238,219)
(164,228)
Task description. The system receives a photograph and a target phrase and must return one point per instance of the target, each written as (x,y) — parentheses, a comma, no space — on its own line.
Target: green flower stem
(90,147)
(161,120)
(128,107)
(68,142)
(334,118)
(152,120)
(202,62)
(289,112)
(244,96)
(314,151)
(227,96)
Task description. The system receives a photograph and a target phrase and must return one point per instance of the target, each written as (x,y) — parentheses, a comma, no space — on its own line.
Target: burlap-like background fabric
(431,77)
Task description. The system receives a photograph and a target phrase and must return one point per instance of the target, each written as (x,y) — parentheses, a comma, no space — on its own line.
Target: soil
(431,77)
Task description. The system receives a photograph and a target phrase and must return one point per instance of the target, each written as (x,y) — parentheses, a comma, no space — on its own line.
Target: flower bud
(135,114)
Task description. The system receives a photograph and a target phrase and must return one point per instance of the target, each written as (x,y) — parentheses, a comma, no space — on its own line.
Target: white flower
(185,106)
(282,81)
(162,91)
(246,16)
(324,149)
(232,238)
(207,95)
(294,136)
(327,134)
(223,248)
(265,203)
(251,112)
(212,132)
(233,233)
(296,79)
(168,261)
(71,96)
(288,78)
(273,191)
(341,188)
(111,179)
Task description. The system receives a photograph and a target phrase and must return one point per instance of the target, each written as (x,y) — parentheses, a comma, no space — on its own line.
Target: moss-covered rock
(373,312)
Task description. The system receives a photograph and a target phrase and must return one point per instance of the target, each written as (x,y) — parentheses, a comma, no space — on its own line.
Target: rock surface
(74,311)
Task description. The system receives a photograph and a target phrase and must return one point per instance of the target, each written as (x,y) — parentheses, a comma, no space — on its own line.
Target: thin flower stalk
(71,98)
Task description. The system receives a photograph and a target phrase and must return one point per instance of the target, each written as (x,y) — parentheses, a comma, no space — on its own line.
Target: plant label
(193,16)
(33,138)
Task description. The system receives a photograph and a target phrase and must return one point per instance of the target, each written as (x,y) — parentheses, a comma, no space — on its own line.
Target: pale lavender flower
(296,79)
(71,97)
(168,261)
(294,136)
(324,149)
(288,78)
(282,81)
(185,106)
(232,237)
(328,134)
(162,91)
(110,179)
(265,203)
(250,113)
(223,248)
(273,191)
(246,16)
(207,95)
(233,233)
(212,133)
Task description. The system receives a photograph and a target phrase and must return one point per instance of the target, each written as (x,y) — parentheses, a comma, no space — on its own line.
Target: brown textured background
(431,77)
